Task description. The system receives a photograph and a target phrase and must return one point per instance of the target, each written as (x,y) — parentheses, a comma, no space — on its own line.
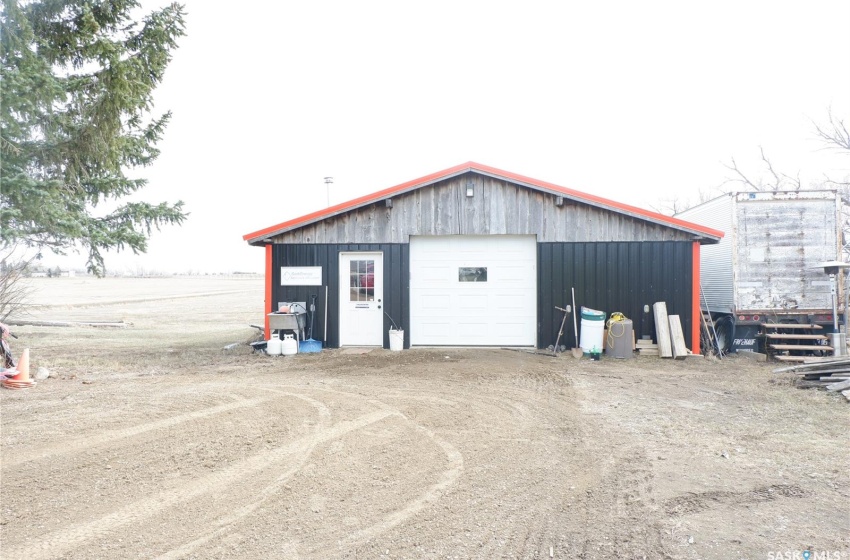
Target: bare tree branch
(795,181)
(779,182)
(741,177)
(673,205)
(835,136)
(14,290)
(776,179)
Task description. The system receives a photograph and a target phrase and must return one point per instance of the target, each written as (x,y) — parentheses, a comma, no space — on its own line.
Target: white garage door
(473,290)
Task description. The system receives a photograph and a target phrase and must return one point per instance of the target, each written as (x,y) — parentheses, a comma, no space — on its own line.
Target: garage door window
(472,274)
(362,280)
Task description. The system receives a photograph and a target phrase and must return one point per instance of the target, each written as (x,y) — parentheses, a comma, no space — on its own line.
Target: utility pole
(328,182)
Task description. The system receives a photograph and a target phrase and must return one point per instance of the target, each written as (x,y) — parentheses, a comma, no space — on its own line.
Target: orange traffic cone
(23,366)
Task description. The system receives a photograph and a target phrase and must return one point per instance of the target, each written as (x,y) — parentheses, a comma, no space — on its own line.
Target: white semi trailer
(765,270)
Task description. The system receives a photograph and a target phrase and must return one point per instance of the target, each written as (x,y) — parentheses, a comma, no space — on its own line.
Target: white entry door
(473,290)
(361,299)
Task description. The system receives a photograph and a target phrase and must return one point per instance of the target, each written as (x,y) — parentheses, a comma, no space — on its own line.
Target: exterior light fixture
(470,188)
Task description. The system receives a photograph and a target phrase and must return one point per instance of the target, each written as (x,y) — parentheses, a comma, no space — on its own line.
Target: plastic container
(592,327)
(396,340)
(273,346)
(289,346)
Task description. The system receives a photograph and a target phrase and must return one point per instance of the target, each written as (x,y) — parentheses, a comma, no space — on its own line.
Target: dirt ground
(152,441)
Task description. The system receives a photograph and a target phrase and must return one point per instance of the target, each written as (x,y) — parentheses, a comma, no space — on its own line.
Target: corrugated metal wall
(614,276)
(716,261)
(396,283)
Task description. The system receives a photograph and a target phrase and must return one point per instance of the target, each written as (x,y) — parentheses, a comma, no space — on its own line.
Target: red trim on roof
(472,166)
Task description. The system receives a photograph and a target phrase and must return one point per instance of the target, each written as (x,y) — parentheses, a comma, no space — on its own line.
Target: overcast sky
(637,102)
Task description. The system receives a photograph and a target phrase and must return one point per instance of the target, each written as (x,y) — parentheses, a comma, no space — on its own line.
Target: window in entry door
(362,280)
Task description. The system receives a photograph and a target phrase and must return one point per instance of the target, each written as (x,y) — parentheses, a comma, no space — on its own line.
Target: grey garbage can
(618,341)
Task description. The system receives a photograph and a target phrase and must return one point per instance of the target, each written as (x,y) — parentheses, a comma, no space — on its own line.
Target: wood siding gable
(496,207)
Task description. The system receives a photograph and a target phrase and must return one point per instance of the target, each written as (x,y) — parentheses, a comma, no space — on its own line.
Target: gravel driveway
(153,442)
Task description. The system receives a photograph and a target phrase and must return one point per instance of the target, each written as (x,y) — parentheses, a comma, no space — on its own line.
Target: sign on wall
(301,276)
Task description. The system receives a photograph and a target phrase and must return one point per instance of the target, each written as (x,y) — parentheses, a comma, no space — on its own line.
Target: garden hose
(616,318)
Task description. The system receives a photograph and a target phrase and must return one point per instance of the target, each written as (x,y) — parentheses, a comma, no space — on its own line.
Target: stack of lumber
(646,347)
(832,374)
(668,332)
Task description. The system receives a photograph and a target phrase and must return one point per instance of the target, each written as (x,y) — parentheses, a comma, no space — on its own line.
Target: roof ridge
(488,170)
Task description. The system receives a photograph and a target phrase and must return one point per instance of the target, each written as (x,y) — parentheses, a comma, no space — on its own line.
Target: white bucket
(592,327)
(396,340)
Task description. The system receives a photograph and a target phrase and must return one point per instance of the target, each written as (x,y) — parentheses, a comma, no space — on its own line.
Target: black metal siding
(614,276)
(609,276)
(396,283)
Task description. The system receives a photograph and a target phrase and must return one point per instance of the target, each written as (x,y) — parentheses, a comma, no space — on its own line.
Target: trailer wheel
(725,328)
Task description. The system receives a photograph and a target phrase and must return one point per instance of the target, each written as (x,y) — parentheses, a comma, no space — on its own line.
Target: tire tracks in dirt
(694,502)
(447,479)
(390,520)
(59,542)
(226,523)
(515,408)
(431,495)
(100,439)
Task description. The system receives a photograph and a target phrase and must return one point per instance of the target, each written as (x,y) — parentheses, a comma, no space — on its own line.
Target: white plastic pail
(592,327)
(396,340)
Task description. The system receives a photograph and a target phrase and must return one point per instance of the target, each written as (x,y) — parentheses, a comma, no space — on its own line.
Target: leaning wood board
(677,339)
(662,329)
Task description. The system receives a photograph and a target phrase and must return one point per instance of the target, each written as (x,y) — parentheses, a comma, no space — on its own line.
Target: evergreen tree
(77,83)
